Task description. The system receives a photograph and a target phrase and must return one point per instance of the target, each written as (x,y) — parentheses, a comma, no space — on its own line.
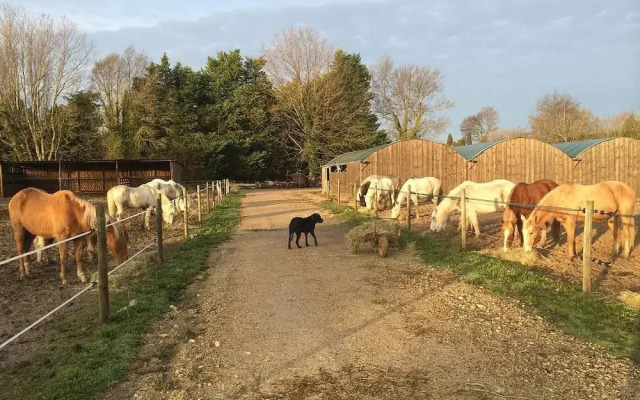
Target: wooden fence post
(376,203)
(213,195)
(185,214)
(586,247)
(228,186)
(328,190)
(103,270)
(208,199)
(199,204)
(219,189)
(409,207)
(355,196)
(159,225)
(463,217)
(338,191)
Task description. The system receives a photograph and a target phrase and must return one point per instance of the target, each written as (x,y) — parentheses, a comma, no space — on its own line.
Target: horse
(419,187)
(143,196)
(173,190)
(59,216)
(526,193)
(609,196)
(494,196)
(383,186)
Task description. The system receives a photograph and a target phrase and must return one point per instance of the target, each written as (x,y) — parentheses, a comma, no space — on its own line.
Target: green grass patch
(347,214)
(596,317)
(82,359)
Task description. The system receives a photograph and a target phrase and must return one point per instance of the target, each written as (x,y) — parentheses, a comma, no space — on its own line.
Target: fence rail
(103,272)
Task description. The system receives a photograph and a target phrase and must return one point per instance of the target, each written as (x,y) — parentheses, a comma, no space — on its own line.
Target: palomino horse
(59,216)
(143,196)
(377,187)
(492,196)
(173,190)
(526,193)
(428,186)
(610,196)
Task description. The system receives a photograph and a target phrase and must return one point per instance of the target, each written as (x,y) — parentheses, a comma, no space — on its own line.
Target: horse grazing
(493,197)
(526,193)
(377,186)
(59,216)
(173,190)
(610,196)
(143,196)
(419,187)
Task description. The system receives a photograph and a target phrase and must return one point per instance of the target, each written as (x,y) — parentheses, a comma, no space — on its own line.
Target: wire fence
(157,241)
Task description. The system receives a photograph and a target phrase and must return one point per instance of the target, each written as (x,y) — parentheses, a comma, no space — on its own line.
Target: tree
(409,98)
(630,128)
(112,78)
(42,60)
(459,142)
(82,125)
(478,127)
(559,118)
(449,140)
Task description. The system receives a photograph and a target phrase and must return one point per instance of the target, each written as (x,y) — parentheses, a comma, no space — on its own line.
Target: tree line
(300,103)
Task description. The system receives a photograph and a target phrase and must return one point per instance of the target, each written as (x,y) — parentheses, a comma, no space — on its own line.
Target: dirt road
(319,322)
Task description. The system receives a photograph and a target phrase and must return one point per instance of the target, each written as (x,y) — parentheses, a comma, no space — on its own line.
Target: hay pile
(630,299)
(366,234)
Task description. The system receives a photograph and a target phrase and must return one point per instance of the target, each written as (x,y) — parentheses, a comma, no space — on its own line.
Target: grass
(596,317)
(82,359)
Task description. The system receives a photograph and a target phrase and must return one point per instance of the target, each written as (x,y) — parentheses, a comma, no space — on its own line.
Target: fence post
(376,203)
(228,187)
(208,199)
(159,225)
(586,247)
(213,195)
(408,208)
(338,191)
(199,204)
(103,270)
(219,189)
(328,190)
(185,214)
(355,196)
(463,217)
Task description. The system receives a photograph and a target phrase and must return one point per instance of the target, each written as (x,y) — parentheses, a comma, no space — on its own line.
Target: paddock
(85,177)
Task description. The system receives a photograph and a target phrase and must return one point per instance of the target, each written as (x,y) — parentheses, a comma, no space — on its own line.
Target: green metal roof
(474,150)
(574,149)
(355,156)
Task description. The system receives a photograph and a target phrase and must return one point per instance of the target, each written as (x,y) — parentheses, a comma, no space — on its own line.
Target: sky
(501,53)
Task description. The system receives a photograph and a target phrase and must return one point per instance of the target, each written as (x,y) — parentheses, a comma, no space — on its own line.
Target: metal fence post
(586,247)
(463,217)
(408,207)
(199,204)
(185,214)
(103,270)
(159,220)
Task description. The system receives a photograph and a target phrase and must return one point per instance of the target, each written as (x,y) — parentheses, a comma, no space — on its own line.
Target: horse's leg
(18,233)
(78,247)
(509,235)
(613,227)
(414,198)
(147,217)
(306,238)
(63,247)
(473,218)
(570,226)
(519,227)
(314,237)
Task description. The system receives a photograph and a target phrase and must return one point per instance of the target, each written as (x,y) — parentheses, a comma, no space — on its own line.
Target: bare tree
(42,60)
(112,78)
(409,98)
(478,127)
(297,55)
(559,118)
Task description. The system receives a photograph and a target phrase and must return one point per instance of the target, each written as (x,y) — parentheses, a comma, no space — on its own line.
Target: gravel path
(321,323)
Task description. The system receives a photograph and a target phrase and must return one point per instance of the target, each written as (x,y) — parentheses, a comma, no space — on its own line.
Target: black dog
(306,225)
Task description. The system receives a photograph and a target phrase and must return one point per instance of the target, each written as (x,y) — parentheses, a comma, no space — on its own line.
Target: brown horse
(610,196)
(59,216)
(526,193)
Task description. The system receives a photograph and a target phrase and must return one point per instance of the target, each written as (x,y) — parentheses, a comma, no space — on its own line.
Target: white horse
(144,197)
(494,195)
(379,187)
(173,190)
(427,186)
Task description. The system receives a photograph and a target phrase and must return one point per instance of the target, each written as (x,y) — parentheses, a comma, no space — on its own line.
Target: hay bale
(630,299)
(367,234)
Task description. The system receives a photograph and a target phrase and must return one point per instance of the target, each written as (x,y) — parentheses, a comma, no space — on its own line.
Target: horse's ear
(523,218)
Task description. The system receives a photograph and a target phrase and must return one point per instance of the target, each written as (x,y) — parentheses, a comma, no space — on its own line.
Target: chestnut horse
(526,193)
(610,196)
(34,212)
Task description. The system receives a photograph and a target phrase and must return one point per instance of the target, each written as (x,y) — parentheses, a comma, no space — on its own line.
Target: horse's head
(117,239)
(439,220)
(531,230)
(182,203)
(168,211)
(363,202)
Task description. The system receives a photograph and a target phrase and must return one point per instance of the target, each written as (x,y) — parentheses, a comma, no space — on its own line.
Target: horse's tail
(111,203)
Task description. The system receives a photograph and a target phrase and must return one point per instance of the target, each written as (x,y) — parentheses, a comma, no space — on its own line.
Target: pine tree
(449,140)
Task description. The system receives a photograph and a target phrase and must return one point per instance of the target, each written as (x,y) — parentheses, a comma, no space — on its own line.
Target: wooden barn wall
(613,160)
(522,160)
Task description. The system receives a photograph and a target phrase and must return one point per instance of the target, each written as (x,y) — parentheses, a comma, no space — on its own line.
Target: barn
(91,177)
(608,159)
(405,159)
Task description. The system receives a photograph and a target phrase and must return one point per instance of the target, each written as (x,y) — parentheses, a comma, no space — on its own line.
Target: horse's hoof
(83,278)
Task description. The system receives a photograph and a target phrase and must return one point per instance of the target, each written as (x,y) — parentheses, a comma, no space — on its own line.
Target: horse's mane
(88,210)
(364,186)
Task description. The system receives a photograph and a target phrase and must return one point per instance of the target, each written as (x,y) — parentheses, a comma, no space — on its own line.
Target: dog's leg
(314,237)
(306,238)
(290,239)
(298,239)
